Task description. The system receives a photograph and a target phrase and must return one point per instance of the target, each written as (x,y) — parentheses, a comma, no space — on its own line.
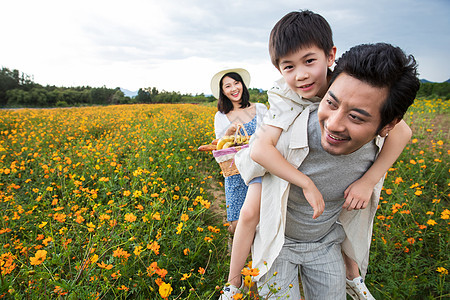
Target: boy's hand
(315,199)
(357,195)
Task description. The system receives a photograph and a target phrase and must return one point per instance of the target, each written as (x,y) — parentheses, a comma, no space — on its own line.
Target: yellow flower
(431,222)
(179,228)
(38,258)
(445,215)
(248,281)
(91,227)
(442,270)
(42,224)
(137,251)
(165,289)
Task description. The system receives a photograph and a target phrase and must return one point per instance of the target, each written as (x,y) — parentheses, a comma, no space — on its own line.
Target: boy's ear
(332,56)
(385,130)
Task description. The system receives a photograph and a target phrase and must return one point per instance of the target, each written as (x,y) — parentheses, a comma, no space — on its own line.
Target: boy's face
(349,115)
(305,70)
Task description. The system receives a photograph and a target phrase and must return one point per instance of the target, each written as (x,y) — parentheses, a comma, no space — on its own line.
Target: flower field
(115,202)
(108,202)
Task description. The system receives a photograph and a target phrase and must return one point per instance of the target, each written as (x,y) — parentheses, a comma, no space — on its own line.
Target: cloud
(178,45)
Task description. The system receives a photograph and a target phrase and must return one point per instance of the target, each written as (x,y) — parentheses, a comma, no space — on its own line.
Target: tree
(143,96)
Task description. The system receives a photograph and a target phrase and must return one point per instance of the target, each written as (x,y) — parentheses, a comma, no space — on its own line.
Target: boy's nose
(301,75)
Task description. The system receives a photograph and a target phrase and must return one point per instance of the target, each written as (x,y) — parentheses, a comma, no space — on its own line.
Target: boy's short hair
(296,30)
(383,65)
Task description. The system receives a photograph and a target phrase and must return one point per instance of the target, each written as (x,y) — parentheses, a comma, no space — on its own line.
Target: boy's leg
(351,267)
(245,232)
(355,286)
(323,271)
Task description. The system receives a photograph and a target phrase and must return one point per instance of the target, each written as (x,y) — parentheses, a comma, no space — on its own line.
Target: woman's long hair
(224,104)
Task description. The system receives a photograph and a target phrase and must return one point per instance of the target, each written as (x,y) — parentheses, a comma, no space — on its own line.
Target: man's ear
(385,130)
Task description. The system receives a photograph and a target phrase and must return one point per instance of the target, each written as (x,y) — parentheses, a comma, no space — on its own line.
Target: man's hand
(314,198)
(357,195)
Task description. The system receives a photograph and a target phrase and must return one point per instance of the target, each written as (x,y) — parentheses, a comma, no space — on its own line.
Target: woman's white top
(221,122)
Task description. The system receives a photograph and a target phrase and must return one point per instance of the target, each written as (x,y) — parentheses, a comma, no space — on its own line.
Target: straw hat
(216,79)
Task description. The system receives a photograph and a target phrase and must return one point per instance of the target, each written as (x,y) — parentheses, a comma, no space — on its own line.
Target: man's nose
(335,122)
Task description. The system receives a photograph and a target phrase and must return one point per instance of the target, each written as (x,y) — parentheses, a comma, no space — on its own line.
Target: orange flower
(154,246)
(184,217)
(38,258)
(201,270)
(250,272)
(130,217)
(398,180)
(411,240)
(120,253)
(105,266)
(156,216)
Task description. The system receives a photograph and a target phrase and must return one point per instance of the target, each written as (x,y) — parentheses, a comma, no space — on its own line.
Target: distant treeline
(431,90)
(17,89)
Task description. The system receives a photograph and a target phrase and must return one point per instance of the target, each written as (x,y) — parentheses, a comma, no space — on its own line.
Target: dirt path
(218,206)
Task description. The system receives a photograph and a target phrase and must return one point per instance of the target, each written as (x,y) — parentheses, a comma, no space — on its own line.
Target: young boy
(301,48)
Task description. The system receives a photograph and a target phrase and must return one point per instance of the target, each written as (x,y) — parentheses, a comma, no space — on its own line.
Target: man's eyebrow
(358,110)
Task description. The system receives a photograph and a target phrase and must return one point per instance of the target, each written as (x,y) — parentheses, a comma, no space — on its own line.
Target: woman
(230,88)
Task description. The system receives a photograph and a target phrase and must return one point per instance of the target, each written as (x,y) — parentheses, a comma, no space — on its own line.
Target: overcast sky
(177,45)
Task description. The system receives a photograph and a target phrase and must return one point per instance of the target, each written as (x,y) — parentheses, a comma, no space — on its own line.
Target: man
(371,89)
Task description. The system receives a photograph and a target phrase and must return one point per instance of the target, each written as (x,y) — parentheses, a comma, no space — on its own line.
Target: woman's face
(232,89)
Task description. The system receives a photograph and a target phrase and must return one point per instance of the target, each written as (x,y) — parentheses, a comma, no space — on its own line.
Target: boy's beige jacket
(269,237)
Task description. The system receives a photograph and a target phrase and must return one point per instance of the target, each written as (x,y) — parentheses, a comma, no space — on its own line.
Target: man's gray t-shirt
(332,174)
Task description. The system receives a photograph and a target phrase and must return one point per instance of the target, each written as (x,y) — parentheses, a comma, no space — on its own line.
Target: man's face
(349,115)
(305,70)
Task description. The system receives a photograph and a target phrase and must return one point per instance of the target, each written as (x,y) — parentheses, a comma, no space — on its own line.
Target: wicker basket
(225,157)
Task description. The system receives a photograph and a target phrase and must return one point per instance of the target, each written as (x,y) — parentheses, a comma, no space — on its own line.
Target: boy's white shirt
(285,105)
(269,236)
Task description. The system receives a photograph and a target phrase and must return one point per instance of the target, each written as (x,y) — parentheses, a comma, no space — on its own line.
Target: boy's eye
(309,61)
(287,67)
